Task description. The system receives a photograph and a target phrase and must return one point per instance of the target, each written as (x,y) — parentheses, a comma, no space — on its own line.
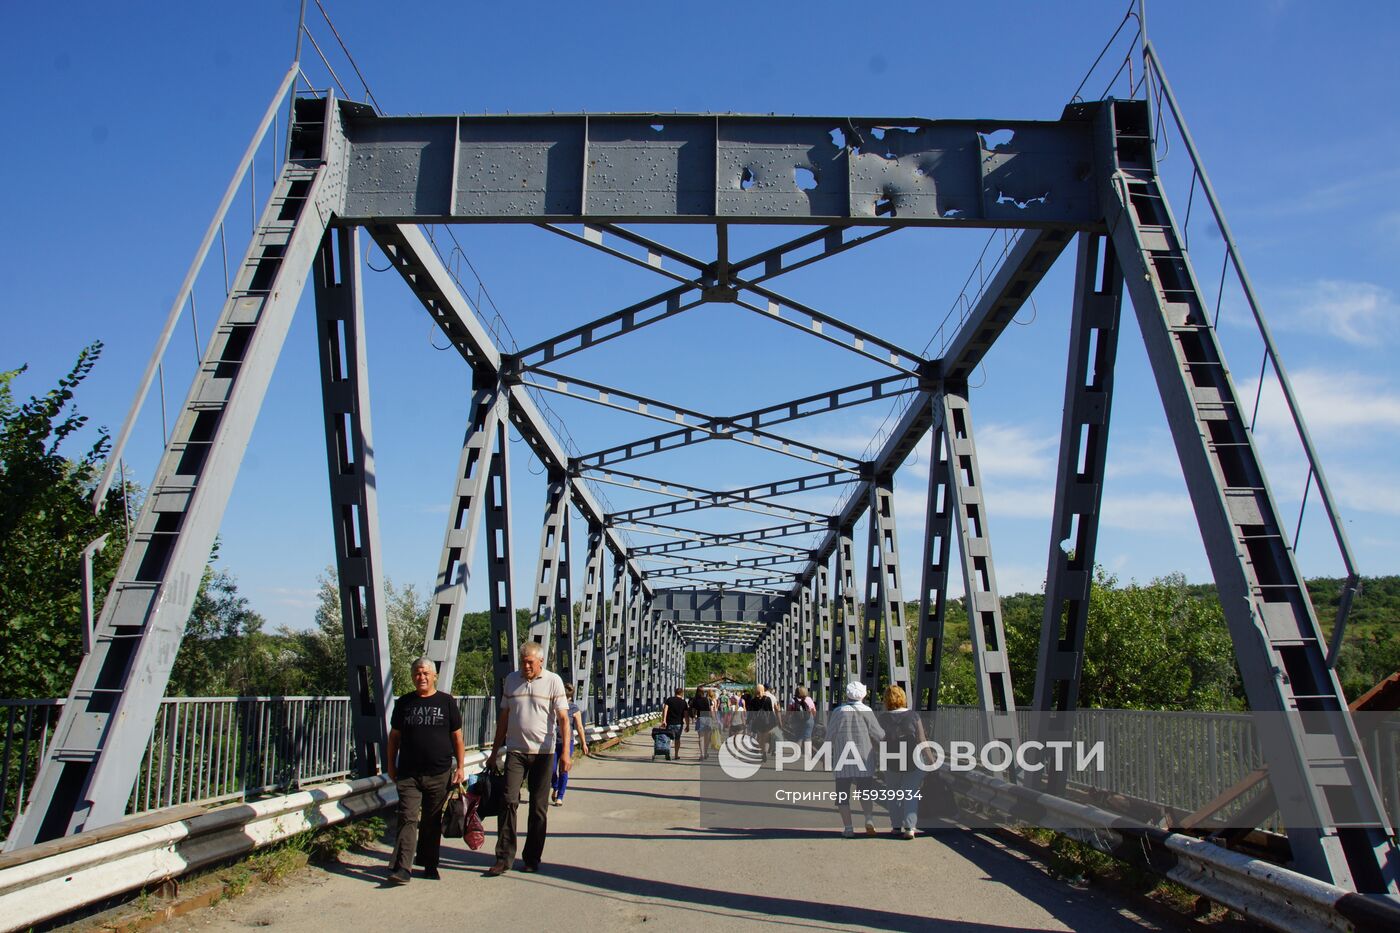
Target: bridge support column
(589,686)
(340,333)
(979,576)
(847,643)
(1337,827)
(631,701)
(544,616)
(805,645)
(505,647)
(822,642)
(614,656)
(1098,298)
(933,598)
(884,606)
(469,497)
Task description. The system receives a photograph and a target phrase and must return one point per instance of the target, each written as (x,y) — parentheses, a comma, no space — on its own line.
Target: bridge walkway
(627,850)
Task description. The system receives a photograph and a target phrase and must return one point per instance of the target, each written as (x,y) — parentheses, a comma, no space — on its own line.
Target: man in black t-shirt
(674,710)
(425,738)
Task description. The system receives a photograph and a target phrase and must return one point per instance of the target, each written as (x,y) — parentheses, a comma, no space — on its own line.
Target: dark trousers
(420,801)
(534,771)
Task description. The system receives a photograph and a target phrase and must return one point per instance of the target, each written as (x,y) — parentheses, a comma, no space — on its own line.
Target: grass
(1078,862)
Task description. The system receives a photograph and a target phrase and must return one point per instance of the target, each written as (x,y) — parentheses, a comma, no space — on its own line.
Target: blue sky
(126,120)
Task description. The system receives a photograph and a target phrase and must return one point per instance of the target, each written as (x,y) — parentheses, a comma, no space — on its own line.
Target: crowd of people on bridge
(539,727)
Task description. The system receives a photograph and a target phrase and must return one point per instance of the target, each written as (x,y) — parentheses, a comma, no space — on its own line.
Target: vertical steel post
(340,333)
(822,641)
(848,651)
(615,652)
(469,495)
(505,633)
(933,599)
(805,645)
(632,701)
(564,638)
(588,670)
(1069,572)
(884,599)
(979,576)
(543,607)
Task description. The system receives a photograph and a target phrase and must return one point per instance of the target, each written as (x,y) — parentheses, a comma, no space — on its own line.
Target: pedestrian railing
(1183,761)
(207,750)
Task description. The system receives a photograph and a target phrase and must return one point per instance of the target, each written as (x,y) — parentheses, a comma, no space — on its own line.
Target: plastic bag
(474,834)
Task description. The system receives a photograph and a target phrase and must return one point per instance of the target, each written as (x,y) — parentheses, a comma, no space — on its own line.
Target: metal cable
(334,77)
(1107,45)
(365,84)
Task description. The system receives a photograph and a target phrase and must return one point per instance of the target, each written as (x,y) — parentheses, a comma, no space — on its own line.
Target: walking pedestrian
(561,777)
(903,778)
(853,731)
(674,711)
(424,736)
(703,708)
(534,712)
(763,718)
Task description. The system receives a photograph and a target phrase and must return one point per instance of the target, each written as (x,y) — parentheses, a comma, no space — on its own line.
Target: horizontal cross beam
(696,168)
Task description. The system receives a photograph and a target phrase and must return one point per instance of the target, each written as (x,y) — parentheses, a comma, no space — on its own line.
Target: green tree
(225,651)
(46,521)
(1146,646)
(317,655)
(702,667)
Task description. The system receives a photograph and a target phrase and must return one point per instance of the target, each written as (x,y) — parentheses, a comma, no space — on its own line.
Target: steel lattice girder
(1092,169)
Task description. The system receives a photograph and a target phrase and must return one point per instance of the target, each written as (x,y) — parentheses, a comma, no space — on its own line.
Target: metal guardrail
(207,750)
(1281,899)
(1200,755)
(53,878)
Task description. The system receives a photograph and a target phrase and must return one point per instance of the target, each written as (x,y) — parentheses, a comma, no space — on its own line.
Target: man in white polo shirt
(534,711)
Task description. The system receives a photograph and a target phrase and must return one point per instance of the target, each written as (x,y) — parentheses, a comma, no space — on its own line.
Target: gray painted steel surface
(744,169)
(1079,489)
(340,333)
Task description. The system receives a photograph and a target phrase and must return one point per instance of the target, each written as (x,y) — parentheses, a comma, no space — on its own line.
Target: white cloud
(1360,313)
(1154,456)
(1150,512)
(1365,491)
(293,597)
(1019,578)
(1014,450)
(1036,504)
(1338,407)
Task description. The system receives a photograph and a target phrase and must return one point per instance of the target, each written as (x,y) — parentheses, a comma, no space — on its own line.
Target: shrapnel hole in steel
(804,178)
(746,179)
(996,139)
(1004,198)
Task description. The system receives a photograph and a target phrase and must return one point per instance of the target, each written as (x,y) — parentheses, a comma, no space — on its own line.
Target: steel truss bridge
(1087,180)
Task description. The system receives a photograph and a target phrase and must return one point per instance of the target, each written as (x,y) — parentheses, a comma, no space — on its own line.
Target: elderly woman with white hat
(853,732)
